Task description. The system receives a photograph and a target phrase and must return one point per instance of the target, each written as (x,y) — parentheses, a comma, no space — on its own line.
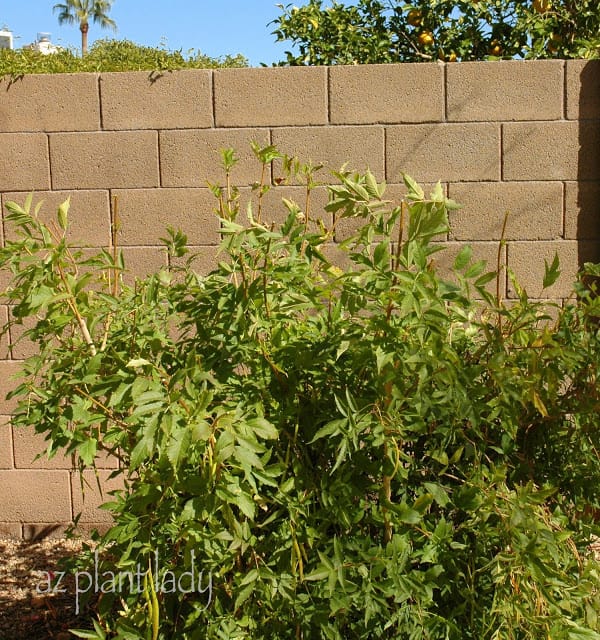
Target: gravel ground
(27,611)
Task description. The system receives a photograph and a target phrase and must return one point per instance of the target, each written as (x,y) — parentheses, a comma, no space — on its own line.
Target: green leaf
(463,258)
(263,428)
(178,446)
(551,272)
(405,513)
(137,362)
(200,430)
(437,195)
(97,634)
(331,428)
(87,451)
(439,493)
(82,633)
(245,504)
(243,595)
(247,457)
(414,190)
(476,269)
(63,211)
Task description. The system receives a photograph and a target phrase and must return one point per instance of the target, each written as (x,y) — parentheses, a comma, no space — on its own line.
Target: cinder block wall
(517,136)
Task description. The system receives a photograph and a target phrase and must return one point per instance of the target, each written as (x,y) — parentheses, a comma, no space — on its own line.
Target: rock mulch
(29,610)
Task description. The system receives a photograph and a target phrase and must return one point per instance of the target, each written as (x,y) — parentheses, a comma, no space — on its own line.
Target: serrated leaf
(243,595)
(247,458)
(414,190)
(87,451)
(200,430)
(178,445)
(263,428)
(463,258)
(245,504)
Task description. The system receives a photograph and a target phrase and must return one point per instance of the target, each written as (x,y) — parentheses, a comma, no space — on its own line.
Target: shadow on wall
(586,206)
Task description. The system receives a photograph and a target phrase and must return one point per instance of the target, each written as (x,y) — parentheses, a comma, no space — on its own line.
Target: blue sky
(215,27)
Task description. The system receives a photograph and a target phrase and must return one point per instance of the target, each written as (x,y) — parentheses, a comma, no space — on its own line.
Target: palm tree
(82,11)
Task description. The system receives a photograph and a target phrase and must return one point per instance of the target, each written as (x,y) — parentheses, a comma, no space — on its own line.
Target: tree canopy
(377,31)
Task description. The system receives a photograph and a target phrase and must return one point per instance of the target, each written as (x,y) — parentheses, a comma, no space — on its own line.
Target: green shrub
(382,31)
(368,453)
(109,55)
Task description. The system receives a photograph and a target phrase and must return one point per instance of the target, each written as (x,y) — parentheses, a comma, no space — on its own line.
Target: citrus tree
(376,31)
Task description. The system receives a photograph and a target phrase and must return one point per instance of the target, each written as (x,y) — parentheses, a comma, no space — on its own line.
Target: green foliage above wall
(374,31)
(110,55)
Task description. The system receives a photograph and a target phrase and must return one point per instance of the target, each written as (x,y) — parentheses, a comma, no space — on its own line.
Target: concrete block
(526,259)
(534,210)
(387,93)
(451,153)
(85,529)
(35,532)
(87,497)
(205,259)
(583,89)
(144,214)
(5,337)
(168,100)
(104,159)
(8,369)
(270,96)
(89,214)
(582,210)
(11,530)
(5,280)
(273,211)
(28,444)
(505,91)
(21,346)
(361,147)
(192,158)
(141,262)
(551,151)
(53,102)
(30,495)
(6,445)
(24,163)
(338,257)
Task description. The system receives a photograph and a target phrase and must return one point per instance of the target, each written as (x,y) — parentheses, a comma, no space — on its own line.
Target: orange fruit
(414,18)
(541,6)
(555,40)
(426,38)
(495,48)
